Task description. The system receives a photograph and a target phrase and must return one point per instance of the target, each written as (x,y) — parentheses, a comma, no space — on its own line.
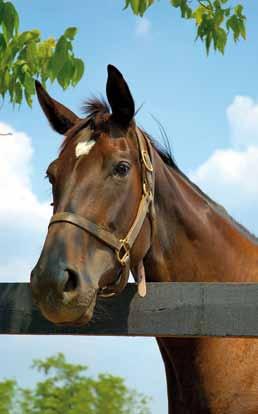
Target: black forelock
(94,106)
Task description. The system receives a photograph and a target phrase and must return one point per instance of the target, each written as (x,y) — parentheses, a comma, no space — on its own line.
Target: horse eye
(50,177)
(51,172)
(122,169)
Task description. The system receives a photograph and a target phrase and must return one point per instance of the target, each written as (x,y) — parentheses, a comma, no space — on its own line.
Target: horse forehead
(86,139)
(84,147)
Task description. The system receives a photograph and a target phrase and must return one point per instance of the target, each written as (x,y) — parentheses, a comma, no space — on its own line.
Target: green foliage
(215,20)
(7,396)
(24,56)
(66,389)
(139,6)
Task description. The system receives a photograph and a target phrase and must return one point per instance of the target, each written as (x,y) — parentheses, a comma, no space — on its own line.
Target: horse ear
(119,97)
(61,118)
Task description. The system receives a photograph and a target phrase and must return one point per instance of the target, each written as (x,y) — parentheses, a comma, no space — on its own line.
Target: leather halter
(122,247)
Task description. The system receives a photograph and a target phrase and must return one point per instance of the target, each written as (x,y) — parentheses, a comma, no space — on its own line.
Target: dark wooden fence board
(169,309)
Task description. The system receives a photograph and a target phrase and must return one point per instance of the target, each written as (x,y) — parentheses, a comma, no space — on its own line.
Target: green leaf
(127,3)
(233,24)
(218,17)
(176,3)
(78,70)
(198,14)
(10,20)
(27,37)
(216,5)
(135,5)
(227,12)
(238,10)
(31,54)
(66,74)
(70,32)
(242,29)
(29,86)
(208,42)
(3,43)
(59,57)
(18,93)
(6,79)
(221,39)
(1,11)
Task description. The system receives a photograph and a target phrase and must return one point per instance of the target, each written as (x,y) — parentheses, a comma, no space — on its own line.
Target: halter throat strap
(122,247)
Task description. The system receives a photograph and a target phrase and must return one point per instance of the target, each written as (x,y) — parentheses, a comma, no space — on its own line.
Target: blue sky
(209,108)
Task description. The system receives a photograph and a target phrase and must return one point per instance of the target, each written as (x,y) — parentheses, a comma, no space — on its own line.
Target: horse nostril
(72,281)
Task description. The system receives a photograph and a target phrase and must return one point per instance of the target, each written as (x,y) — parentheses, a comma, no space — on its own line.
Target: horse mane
(95,106)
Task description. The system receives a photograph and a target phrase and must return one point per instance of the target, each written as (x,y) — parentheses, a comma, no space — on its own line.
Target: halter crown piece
(122,247)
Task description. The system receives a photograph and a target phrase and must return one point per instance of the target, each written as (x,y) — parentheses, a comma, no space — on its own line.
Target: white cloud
(143,26)
(23,217)
(230,176)
(19,205)
(243,120)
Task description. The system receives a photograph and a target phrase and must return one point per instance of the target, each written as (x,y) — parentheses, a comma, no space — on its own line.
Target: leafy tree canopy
(8,389)
(215,19)
(67,389)
(24,56)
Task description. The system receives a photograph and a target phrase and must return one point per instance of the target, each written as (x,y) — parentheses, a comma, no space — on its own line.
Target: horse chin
(84,319)
(77,315)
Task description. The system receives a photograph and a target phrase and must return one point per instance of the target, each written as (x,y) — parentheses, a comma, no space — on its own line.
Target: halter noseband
(122,247)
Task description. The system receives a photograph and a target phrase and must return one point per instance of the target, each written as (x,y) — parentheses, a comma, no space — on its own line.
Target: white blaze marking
(83,148)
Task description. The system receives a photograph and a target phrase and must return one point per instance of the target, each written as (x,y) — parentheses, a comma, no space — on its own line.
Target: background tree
(215,20)
(8,390)
(25,56)
(66,389)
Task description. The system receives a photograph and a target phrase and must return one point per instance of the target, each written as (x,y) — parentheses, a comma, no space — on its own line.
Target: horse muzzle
(63,298)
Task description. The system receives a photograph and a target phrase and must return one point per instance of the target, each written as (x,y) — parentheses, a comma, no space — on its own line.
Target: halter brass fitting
(146,161)
(123,254)
(147,192)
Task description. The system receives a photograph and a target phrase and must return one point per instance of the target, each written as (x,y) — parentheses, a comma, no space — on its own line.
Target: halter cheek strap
(122,247)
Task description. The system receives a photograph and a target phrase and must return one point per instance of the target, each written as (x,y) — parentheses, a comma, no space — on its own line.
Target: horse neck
(195,239)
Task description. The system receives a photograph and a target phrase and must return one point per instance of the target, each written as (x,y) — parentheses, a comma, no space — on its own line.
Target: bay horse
(121,203)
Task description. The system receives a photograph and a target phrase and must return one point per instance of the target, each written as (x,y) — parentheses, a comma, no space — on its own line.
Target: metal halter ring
(123,253)
(146,161)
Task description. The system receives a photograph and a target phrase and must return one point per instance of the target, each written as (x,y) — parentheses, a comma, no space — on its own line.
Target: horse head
(102,196)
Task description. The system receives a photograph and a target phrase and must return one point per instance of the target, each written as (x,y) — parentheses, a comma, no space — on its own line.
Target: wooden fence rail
(169,309)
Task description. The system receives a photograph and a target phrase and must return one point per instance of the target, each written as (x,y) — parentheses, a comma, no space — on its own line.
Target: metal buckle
(147,161)
(123,253)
